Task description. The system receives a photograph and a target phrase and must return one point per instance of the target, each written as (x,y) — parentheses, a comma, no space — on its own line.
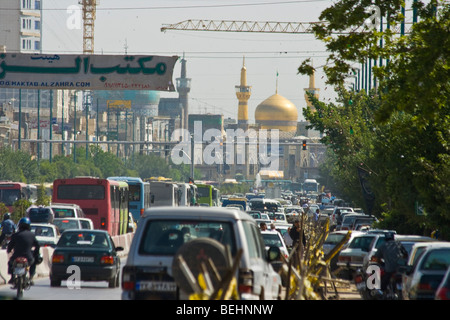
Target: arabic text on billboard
(86,72)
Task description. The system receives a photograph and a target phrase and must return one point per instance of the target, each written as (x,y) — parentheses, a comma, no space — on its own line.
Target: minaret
(183,88)
(313,90)
(243,93)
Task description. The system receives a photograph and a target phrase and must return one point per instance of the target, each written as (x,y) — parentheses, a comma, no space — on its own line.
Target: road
(87,291)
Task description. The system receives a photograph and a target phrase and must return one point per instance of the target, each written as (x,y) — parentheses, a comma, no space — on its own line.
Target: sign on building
(86,72)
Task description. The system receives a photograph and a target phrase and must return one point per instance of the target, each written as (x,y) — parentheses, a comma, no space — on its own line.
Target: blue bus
(139,195)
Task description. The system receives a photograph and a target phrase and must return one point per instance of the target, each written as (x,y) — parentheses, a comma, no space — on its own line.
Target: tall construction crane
(89,9)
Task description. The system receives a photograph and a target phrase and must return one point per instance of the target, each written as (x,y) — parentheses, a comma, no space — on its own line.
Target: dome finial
(276,84)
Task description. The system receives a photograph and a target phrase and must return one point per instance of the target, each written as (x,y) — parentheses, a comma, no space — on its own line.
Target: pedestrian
(316,215)
(294,233)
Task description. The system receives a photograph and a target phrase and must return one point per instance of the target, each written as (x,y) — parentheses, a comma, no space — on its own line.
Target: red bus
(10,192)
(104,201)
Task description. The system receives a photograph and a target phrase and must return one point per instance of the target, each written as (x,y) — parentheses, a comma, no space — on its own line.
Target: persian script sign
(86,72)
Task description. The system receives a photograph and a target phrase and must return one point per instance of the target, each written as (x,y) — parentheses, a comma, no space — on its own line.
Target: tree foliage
(399,131)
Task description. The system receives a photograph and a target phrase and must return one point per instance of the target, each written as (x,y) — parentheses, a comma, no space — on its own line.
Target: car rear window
(165,237)
(64,212)
(334,238)
(272,240)
(437,260)
(362,243)
(83,239)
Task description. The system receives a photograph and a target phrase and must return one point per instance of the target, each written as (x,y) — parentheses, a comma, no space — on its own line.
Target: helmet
(389,236)
(24,224)
(7,216)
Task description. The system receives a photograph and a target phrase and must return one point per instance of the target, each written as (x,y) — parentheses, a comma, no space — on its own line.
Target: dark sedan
(93,251)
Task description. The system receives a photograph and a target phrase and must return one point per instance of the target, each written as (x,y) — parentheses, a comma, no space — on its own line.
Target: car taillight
(424,286)
(128,278)
(245,281)
(107,260)
(142,212)
(443,294)
(359,278)
(58,258)
(344,259)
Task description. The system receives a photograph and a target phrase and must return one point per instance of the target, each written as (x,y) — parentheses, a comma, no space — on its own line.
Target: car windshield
(437,260)
(279,217)
(83,239)
(165,237)
(65,224)
(272,240)
(362,243)
(42,231)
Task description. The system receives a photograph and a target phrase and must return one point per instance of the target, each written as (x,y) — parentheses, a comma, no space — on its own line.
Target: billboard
(86,72)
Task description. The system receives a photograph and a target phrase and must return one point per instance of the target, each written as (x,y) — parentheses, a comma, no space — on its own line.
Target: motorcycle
(368,283)
(21,279)
(6,240)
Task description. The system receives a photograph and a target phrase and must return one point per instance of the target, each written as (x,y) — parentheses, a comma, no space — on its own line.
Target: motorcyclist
(393,253)
(8,226)
(22,242)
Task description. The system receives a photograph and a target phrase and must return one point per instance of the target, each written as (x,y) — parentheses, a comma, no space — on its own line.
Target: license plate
(19,271)
(156,286)
(361,286)
(83,259)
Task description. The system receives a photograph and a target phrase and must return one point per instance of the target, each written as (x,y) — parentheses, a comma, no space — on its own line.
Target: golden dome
(277,112)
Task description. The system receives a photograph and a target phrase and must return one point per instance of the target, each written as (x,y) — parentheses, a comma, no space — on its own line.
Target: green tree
(409,151)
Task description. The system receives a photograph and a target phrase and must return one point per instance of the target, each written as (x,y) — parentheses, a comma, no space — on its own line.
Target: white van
(149,271)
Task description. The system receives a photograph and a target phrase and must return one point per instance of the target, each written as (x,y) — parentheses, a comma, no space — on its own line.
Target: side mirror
(274,254)
(119,249)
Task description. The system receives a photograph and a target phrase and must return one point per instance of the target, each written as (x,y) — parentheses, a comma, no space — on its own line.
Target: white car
(421,279)
(73,223)
(275,239)
(164,233)
(46,234)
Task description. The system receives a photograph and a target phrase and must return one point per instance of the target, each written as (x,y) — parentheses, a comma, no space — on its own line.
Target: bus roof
(128,179)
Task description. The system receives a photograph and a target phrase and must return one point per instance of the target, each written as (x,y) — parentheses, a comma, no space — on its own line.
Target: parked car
(67,210)
(93,251)
(443,290)
(73,223)
(46,234)
(421,279)
(149,271)
(274,239)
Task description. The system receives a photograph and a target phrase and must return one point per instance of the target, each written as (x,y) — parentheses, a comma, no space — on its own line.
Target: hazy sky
(214,59)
